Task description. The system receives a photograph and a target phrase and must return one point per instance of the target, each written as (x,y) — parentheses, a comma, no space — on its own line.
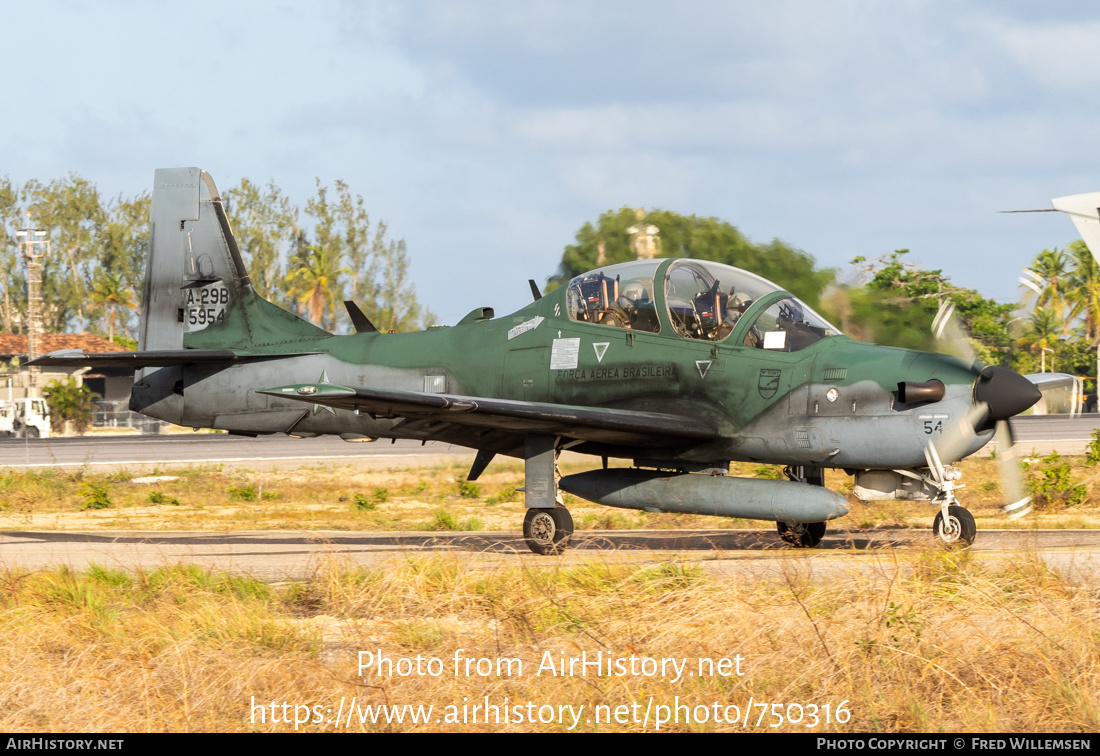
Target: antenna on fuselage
(534,289)
(358,319)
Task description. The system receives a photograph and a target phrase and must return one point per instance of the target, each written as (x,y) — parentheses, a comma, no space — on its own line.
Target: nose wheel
(547,531)
(956,528)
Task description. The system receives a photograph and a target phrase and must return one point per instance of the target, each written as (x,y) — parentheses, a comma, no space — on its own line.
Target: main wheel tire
(564,521)
(958,529)
(547,531)
(808,535)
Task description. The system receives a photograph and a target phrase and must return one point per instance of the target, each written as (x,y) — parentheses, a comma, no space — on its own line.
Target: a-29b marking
(206,305)
(208,295)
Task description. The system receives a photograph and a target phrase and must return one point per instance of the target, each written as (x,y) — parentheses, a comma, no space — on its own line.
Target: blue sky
(486,133)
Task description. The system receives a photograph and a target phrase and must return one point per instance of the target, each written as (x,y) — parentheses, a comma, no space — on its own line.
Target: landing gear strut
(547,531)
(547,526)
(953,524)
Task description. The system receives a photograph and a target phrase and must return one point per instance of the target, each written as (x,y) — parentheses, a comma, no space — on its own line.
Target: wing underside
(596,424)
(75,358)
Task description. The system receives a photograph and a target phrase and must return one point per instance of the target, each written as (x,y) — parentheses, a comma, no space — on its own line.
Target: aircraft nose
(1006,392)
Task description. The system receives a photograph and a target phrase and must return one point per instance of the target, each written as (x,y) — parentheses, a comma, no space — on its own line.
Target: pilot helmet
(735,306)
(630,294)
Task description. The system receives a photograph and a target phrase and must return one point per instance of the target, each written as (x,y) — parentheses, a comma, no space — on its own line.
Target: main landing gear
(547,531)
(547,526)
(803,535)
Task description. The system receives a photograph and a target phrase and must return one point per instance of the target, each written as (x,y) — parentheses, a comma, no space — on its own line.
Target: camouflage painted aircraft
(680,366)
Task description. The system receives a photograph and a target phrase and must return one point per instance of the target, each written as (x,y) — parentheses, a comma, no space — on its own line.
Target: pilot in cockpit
(735,308)
(629,297)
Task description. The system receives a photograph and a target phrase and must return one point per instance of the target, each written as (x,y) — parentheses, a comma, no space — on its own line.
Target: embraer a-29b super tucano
(680,366)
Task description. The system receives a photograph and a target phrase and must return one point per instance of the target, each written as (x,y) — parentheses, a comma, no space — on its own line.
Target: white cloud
(1061,57)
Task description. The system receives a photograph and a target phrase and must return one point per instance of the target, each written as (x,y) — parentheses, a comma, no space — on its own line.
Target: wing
(1045,381)
(599,424)
(74,358)
(1049,384)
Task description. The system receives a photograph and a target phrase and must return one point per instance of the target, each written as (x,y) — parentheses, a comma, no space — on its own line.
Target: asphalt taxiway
(298,555)
(134,452)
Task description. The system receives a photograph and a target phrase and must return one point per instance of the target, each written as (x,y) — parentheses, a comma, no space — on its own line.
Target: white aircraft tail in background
(1084,211)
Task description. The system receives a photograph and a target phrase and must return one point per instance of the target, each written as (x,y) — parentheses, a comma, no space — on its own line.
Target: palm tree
(316,283)
(1042,331)
(1083,290)
(1053,266)
(109,291)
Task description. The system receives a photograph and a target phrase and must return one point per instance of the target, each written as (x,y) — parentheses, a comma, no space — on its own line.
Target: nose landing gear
(956,527)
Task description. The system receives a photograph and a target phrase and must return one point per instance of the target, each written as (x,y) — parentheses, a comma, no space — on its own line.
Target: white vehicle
(25,417)
(7,419)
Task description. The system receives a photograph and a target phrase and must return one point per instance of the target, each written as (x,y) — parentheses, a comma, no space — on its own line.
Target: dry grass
(952,645)
(307,498)
(430,498)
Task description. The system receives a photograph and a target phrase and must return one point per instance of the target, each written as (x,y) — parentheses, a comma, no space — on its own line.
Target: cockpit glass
(788,326)
(618,296)
(705,299)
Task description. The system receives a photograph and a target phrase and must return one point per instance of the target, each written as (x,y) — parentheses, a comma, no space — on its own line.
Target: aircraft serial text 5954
(680,366)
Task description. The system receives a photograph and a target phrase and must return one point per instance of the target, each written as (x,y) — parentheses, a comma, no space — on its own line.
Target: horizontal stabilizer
(75,358)
(587,423)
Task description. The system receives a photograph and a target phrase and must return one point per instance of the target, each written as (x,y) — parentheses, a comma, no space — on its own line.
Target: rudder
(195,278)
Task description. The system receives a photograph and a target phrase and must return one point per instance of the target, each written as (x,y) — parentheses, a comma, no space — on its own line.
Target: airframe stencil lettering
(624,372)
(204,304)
(526,326)
(564,354)
(601,349)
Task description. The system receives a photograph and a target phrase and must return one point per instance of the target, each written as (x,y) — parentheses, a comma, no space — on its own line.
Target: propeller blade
(959,435)
(947,309)
(946,329)
(1012,481)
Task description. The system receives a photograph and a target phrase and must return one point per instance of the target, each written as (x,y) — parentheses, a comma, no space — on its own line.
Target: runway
(105,453)
(1042,434)
(297,555)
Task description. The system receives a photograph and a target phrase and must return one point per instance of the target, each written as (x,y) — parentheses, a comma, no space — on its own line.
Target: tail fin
(1084,211)
(197,290)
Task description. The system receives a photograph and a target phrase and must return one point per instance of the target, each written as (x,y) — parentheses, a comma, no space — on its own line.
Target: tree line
(309,259)
(305,260)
